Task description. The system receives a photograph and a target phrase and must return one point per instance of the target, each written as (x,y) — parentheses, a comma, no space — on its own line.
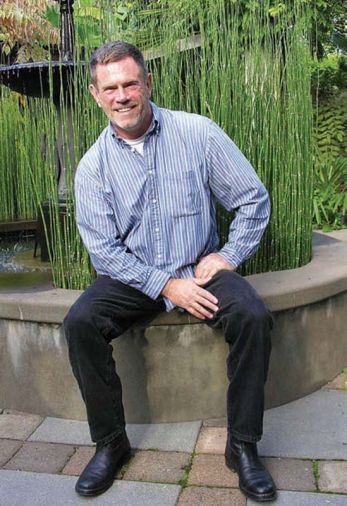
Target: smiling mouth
(124,109)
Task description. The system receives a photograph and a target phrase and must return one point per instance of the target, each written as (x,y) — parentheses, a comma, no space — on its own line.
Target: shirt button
(156,229)
(159,256)
(150,172)
(154,201)
(133,150)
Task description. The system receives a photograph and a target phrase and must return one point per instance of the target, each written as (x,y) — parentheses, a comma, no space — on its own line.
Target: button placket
(153,199)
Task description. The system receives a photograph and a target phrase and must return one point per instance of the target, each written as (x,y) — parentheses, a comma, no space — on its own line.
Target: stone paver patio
(182,464)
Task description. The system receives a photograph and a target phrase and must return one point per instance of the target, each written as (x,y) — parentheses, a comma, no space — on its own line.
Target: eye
(132,86)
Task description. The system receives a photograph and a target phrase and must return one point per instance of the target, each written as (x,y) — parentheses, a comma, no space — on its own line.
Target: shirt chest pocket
(182,194)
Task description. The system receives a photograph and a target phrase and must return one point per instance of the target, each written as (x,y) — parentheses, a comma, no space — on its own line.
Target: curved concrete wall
(174,370)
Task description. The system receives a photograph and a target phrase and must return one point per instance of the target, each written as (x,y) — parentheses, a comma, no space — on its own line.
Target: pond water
(19,271)
(11,246)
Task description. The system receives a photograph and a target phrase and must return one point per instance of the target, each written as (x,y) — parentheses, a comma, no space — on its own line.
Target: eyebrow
(127,83)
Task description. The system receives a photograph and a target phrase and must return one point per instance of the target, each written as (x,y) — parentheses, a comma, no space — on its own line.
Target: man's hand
(188,294)
(209,265)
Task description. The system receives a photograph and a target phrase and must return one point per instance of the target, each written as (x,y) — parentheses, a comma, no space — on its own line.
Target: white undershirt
(139,143)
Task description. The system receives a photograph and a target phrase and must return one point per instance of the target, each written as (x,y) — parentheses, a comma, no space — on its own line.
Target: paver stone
(304,499)
(166,467)
(79,460)
(203,496)
(333,477)
(40,457)
(313,427)
(18,426)
(211,470)
(35,489)
(291,474)
(339,383)
(8,448)
(212,440)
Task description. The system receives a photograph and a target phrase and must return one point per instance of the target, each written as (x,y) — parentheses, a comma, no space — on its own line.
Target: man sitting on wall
(146,196)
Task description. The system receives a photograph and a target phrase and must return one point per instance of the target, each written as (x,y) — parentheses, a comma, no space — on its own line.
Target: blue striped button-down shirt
(145,219)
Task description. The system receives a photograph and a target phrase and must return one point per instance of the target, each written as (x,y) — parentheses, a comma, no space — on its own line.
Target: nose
(121,95)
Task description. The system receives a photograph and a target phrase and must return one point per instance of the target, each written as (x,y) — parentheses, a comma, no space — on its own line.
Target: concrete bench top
(323,277)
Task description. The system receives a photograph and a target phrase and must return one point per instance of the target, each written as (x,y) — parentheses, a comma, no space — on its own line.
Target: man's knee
(248,318)
(256,312)
(77,320)
(88,322)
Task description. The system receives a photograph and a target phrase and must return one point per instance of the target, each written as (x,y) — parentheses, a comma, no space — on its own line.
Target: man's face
(123,93)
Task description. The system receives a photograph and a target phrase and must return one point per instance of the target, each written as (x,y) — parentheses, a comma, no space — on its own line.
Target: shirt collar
(155,125)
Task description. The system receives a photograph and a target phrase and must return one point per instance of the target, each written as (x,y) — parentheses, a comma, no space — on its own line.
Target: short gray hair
(113,52)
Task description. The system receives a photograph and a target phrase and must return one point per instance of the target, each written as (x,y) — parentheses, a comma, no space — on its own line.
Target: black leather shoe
(254,480)
(101,470)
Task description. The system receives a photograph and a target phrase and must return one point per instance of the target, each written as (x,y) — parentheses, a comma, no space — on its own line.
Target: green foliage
(25,31)
(328,76)
(339,40)
(316,475)
(330,168)
(88,18)
(97,20)
(330,194)
(20,153)
(9,115)
(327,16)
(330,133)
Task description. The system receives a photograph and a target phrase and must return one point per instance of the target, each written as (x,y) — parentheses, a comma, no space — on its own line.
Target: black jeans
(108,308)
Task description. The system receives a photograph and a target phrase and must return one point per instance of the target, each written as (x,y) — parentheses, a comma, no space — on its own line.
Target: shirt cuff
(168,304)
(155,283)
(230,257)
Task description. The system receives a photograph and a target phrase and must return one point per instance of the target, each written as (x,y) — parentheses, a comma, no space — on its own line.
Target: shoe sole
(256,497)
(99,491)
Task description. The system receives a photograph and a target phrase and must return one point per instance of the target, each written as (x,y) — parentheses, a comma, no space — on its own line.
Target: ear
(94,92)
(149,85)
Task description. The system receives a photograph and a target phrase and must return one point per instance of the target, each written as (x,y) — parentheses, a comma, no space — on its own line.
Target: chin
(126,125)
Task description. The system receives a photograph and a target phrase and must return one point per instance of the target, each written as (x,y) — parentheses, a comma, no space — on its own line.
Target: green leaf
(85,3)
(52,15)
(327,228)
(89,12)
(277,9)
(6,49)
(340,40)
(121,13)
